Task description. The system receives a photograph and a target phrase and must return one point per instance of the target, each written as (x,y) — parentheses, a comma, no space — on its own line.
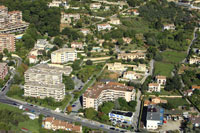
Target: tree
(89,62)
(58,41)
(1,56)
(5,51)
(90,113)
(69,83)
(106,107)
(76,65)
(69,109)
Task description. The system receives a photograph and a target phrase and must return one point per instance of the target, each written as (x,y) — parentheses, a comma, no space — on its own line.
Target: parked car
(73,105)
(101,125)
(112,128)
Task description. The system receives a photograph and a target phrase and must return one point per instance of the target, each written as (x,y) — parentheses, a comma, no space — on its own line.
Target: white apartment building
(161,80)
(95,6)
(45,81)
(130,75)
(104,27)
(64,55)
(154,87)
(40,90)
(95,96)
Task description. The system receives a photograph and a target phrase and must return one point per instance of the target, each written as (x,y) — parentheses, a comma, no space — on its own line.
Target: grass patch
(177,101)
(162,68)
(173,56)
(31,125)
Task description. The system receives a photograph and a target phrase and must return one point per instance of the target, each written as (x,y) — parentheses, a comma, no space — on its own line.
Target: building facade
(95,96)
(11,22)
(161,80)
(154,87)
(104,27)
(45,81)
(7,41)
(64,55)
(53,124)
(121,117)
(3,70)
(154,117)
(131,56)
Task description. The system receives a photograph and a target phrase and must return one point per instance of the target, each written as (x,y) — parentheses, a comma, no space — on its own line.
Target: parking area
(172,125)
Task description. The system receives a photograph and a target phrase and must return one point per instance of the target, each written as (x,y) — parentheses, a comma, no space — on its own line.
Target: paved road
(137,111)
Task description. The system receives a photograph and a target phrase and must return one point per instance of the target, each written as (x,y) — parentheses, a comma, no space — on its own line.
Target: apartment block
(64,55)
(45,81)
(3,70)
(11,22)
(42,90)
(7,41)
(96,95)
(131,56)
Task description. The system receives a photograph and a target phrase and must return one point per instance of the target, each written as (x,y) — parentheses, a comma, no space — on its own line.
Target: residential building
(195,87)
(11,22)
(105,26)
(77,45)
(127,40)
(43,90)
(116,67)
(3,70)
(134,12)
(161,80)
(43,44)
(169,27)
(53,124)
(131,56)
(44,80)
(7,41)
(96,95)
(85,31)
(140,68)
(194,60)
(154,117)
(58,3)
(33,59)
(121,117)
(68,17)
(63,55)
(55,3)
(131,75)
(188,92)
(154,101)
(114,21)
(154,87)
(95,6)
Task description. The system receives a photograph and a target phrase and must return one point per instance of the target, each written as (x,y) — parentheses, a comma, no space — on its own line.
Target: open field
(177,101)
(163,69)
(173,56)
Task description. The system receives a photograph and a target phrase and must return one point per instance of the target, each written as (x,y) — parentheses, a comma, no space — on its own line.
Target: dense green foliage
(10,118)
(69,83)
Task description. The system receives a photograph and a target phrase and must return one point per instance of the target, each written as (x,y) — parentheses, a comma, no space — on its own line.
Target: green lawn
(31,125)
(177,101)
(163,69)
(173,56)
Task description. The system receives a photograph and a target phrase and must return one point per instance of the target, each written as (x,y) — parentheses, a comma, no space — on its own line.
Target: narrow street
(137,111)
